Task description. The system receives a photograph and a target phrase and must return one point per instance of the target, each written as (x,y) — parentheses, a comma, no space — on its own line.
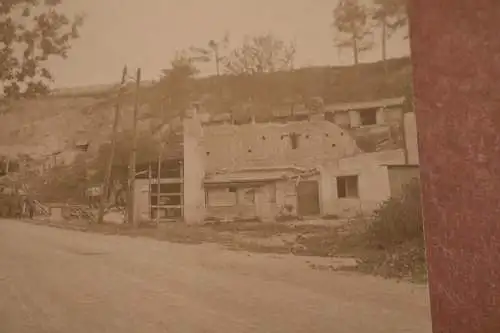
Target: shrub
(394,238)
(398,220)
(60,184)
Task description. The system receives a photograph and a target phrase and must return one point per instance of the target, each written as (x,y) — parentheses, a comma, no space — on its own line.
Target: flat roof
(402,165)
(365,105)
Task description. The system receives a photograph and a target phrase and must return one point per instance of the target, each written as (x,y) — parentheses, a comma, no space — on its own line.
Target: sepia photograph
(249,166)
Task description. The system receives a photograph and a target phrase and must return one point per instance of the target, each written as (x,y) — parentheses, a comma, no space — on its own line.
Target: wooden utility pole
(150,201)
(107,177)
(133,154)
(158,189)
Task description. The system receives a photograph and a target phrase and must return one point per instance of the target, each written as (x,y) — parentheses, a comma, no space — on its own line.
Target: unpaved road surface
(54,280)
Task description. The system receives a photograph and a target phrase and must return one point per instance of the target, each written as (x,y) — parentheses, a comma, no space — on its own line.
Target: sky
(147,33)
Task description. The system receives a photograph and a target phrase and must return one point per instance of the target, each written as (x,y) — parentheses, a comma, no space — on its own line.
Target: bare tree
(353,30)
(261,54)
(390,16)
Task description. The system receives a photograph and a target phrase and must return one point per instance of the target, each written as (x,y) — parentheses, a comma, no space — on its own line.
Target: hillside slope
(48,125)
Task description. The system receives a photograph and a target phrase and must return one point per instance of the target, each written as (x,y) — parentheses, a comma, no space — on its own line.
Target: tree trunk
(217,68)
(384,44)
(355,51)
(217,62)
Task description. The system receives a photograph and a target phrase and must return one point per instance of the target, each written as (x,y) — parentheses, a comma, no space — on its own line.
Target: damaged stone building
(298,167)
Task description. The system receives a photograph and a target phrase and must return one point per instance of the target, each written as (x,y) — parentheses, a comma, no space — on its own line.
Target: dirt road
(54,280)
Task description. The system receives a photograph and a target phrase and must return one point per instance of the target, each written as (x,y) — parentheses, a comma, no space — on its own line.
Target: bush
(394,239)
(398,220)
(60,184)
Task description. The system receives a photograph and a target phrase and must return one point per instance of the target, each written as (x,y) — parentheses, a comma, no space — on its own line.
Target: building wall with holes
(318,144)
(235,147)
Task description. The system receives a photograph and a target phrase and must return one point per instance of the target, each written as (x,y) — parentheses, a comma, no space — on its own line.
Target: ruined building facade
(267,171)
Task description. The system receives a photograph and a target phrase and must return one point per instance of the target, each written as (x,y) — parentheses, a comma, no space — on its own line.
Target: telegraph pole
(158,189)
(109,167)
(133,155)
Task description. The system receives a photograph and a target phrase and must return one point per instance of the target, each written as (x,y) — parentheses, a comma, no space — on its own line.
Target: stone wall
(234,147)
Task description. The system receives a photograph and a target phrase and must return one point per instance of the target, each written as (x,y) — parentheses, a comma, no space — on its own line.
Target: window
(221,197)
(347,187)
(82,147)
(368,117)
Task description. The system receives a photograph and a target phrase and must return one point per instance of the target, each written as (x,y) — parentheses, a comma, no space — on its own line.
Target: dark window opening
(249,150)
(208,153)
(347,187)
(232,189)
(294,140)
(326,134)
(307,136)
(263,137)
(329,116)
(334,145)
(83,147)
(13,166)
(368,117)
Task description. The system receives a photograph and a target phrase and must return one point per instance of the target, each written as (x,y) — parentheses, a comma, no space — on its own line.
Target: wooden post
(149,190)
(158,189)
(133,154)
(181,166)
(109,167)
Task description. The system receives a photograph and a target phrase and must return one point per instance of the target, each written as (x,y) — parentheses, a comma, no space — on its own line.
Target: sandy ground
(54,280)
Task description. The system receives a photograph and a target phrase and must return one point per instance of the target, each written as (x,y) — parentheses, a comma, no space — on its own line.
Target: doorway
(308,198)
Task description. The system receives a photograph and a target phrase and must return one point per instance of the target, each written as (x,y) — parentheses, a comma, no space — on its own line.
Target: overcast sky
(147,33)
